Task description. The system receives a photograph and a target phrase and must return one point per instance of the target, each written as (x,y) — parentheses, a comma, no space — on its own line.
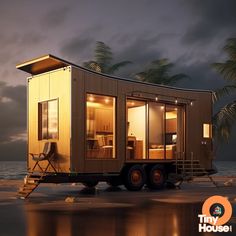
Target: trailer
(106,128)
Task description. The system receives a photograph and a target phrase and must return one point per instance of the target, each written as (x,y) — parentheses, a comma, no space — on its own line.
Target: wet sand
(71,209)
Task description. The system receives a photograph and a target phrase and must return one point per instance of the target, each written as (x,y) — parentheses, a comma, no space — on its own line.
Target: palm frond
(141,76)
(230,48)
(103,55)
(224,120)
(226,69)
(175,78)
(222,92)
(159,73)
(113,68)
(93,65)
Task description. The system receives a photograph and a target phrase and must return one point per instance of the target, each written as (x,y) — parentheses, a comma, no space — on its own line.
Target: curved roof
(49,62)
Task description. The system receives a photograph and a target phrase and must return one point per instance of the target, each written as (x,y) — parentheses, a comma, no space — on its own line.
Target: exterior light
(176,101)
(191,103)
(156,98)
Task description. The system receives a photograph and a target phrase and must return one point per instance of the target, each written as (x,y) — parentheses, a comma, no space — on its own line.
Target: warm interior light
(171,115)
(207,132)
(106,100)
(132,103)
(93,104)
(91,98)
(162,107)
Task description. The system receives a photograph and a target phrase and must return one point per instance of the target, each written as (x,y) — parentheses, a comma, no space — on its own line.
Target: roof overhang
(42,64)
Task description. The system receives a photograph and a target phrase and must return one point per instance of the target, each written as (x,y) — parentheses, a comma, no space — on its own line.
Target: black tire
(156,177)
(90,184)
(134,177)
(114,181)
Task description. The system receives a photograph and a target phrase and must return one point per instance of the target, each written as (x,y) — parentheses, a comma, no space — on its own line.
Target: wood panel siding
(45,87)
(70,86)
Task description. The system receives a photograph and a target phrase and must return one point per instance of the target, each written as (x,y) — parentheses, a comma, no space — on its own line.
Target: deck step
(30,184)
(190,169)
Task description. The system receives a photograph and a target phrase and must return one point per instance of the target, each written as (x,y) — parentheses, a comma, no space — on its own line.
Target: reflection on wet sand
(150,219)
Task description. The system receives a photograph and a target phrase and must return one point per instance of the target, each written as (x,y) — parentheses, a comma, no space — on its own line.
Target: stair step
(31,183)
(181,161)
(34,178)
(24,192)
(29,187)
(196,174)
(189,168)
(196,171)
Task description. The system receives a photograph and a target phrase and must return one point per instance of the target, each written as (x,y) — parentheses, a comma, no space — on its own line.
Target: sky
(190,33)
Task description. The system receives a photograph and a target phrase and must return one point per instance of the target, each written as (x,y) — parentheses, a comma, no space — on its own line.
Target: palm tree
(103,60)
(159,73)
(224,119)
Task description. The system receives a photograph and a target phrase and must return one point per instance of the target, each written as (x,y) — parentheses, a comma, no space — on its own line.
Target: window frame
(40,126)
(165,104)
(85,127)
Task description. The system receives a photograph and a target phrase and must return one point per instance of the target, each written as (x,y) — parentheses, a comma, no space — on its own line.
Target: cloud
(55,17)
(78,47)
(210,20)
(12,120)
(140,50)
(13,151)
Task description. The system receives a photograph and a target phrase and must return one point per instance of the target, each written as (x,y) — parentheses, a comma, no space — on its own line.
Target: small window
(207,131)
(48,120)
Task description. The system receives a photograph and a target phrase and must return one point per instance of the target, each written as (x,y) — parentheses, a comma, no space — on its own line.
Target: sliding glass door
(136,129)
(156,146)
(154,130)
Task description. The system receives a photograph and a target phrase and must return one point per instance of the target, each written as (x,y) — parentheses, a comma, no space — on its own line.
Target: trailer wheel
(134,178)
(156,177)
(90,184)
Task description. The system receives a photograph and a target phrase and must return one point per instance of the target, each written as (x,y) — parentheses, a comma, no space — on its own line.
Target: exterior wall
(82,83)
(197,115)
(88,82)
(51,85)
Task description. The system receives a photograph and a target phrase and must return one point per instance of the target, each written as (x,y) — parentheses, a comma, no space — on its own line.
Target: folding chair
(48,153)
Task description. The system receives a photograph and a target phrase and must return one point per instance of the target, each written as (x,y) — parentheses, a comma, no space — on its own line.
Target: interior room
(100,125)
(155,130)
(136,127)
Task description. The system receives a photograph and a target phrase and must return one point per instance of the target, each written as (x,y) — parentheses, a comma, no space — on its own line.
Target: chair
(48,153)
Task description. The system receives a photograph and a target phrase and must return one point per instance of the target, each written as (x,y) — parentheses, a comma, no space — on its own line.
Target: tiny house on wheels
(88,127)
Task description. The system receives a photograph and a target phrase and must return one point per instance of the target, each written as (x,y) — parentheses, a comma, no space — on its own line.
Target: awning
(42,64)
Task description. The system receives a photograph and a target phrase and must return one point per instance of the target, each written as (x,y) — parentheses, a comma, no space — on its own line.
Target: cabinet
(171,125)
(138,153)
(104,120)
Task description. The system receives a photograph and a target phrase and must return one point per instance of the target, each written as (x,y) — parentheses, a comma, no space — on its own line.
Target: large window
(100,126)
(154,130)
(48,120)
(136,128)
(156,147)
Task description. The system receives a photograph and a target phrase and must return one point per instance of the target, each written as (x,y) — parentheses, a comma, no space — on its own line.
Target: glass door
(136,129)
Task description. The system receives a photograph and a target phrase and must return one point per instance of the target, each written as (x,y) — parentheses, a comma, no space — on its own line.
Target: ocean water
(13,169)
(18,169)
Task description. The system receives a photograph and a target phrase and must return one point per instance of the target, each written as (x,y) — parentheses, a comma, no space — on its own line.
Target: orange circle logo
(217,206)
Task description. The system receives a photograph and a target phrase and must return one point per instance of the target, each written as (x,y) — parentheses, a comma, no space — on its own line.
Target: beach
(71,209)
